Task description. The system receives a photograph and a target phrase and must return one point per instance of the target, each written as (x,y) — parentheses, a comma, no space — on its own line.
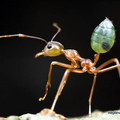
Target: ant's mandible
(102,41)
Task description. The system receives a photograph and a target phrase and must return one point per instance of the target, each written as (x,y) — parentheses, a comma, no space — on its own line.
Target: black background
(23,78)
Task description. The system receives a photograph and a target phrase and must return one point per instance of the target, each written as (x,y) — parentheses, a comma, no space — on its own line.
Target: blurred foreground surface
(43,115)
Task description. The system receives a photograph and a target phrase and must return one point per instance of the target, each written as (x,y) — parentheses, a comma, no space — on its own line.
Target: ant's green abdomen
(103,37)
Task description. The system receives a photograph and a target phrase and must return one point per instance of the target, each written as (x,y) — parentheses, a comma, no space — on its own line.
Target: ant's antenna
(58,30)
(23,35)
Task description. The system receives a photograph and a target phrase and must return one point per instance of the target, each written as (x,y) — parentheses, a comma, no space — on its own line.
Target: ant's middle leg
(62,84)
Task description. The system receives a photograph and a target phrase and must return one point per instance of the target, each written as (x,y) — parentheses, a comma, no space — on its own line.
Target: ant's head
(53,48)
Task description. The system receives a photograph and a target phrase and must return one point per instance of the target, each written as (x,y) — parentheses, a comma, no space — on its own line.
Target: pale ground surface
(43,115)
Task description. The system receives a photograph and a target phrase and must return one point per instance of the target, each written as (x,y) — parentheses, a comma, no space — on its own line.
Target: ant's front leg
(49,75)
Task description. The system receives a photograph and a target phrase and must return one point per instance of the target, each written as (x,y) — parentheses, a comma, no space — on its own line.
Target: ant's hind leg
(91,93)
(92,89)
(100,70)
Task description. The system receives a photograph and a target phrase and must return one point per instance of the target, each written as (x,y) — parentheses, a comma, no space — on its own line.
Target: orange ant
(54,48)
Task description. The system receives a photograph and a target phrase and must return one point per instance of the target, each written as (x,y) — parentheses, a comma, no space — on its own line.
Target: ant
(54,48)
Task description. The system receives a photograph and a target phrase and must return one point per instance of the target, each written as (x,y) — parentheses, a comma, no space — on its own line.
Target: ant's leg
(100,70)
(92,89)
(23,35)
(91,93)
(49,75)
(62,84)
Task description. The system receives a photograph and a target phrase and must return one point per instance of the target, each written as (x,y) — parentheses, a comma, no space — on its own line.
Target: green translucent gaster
(103,37)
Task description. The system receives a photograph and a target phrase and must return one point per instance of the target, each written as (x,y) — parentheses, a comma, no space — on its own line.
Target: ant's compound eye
(49,46)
